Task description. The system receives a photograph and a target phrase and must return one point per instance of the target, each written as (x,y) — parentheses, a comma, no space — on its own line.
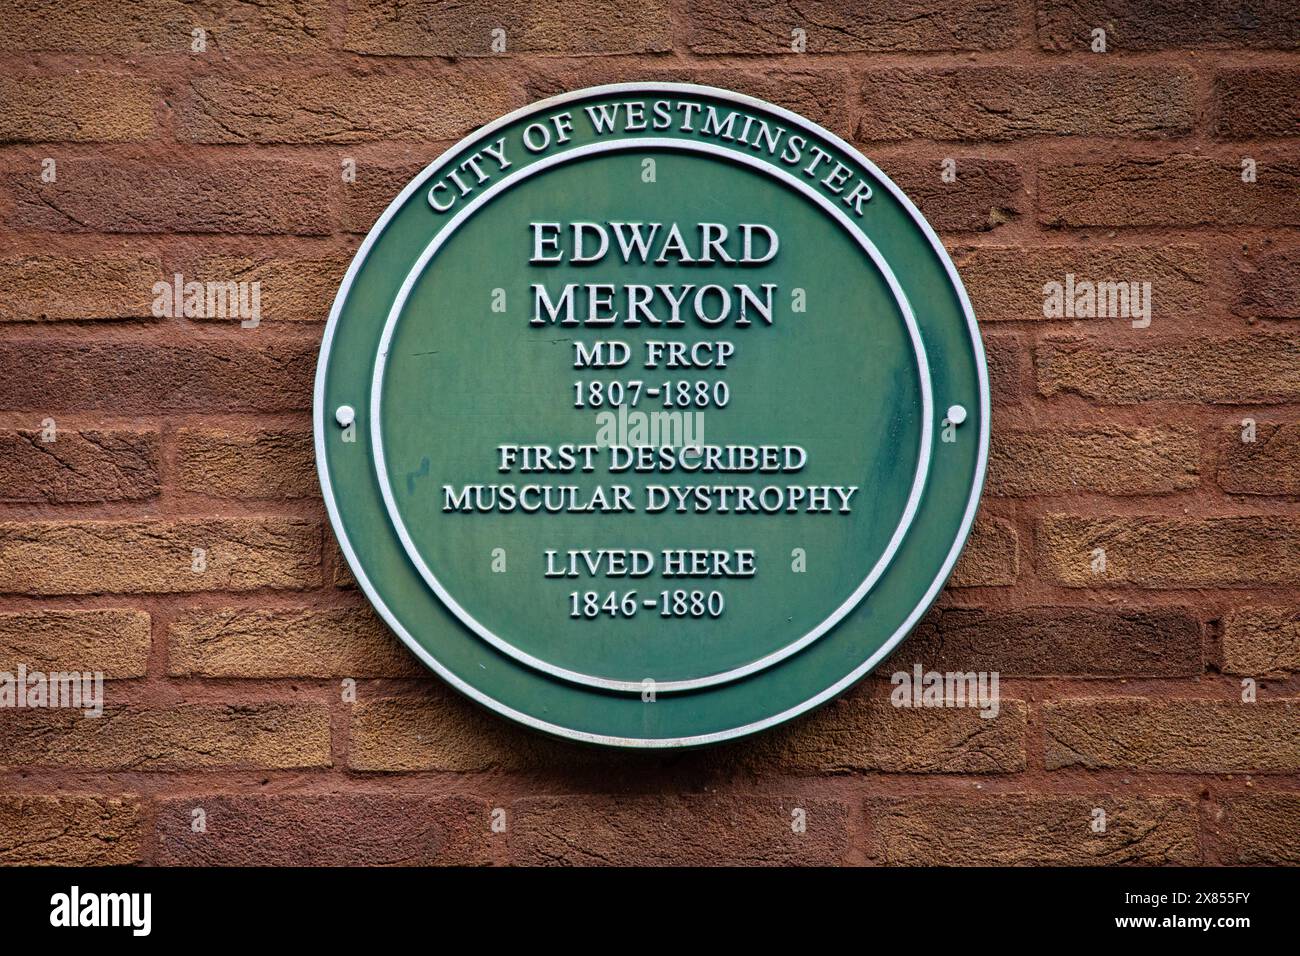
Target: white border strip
(319,421)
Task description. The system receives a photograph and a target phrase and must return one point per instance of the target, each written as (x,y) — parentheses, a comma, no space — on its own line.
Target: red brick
(1257,829)
(1006,282)
(211,196)
(340,574)
(353,829)
(1261,641)
(69,830)
(290,288)
(818,94)
(1000,103)
(165,26)
(47,287)
(156,555)
(865,732)
(1107,459)
(1179,190)
(1033,830)
(1270,285)
(264,463)
(841,26)
(1255,367)
(341,642)
(132,377)
(429,28)
(177,737)
(113,641)
(1263,24)
(990,558)
(1160,552)
(444,732)
(719,830)
(334,108)
(1254,101)
(274,611)
(1055,641)
(1174,736)
(1269,465)
(91,106)
(987,193)
(119,464)
(1002,353)
(377,184)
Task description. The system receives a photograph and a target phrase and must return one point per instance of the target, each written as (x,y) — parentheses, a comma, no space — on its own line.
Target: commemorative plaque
(651,415)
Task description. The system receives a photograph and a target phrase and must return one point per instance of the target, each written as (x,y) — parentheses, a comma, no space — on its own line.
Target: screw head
(345,415)
(956,414)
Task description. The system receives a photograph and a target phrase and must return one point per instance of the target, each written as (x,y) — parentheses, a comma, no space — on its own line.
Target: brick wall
(1122,689)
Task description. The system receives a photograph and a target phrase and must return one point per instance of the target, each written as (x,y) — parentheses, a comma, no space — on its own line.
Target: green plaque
(651,415)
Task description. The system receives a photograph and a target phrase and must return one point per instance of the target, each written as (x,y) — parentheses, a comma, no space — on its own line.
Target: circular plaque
(651,415)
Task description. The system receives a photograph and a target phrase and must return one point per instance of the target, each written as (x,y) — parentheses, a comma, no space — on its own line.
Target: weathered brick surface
(262,154)
(1268,465)
(69,830)
(117,464)
(991,557)
(359,829)
(1178,736)
(133,377)
(1261,641)
(819,95)
(178,737)
(256,463)
(211,196)
(1253,101)
(1034,830)
(677,831)
(429,28)
(340,574)
(46,287)
(1157,552)
(840,26)
(1271,284)
(1177,190)
(1108,460)
(164,26)
(1251,367)
(441,731)
(998,103)
(987,193)
(863,733)
(330,108)
(290,288)
(1004,355)
(376,185)
(1258,829)
(1006,283)
(1056,641)
(227,642)
(1264,24)
(113,641)
(158,556)
(93,106)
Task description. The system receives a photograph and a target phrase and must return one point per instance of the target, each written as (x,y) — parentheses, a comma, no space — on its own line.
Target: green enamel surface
(451,350)
(839,379)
